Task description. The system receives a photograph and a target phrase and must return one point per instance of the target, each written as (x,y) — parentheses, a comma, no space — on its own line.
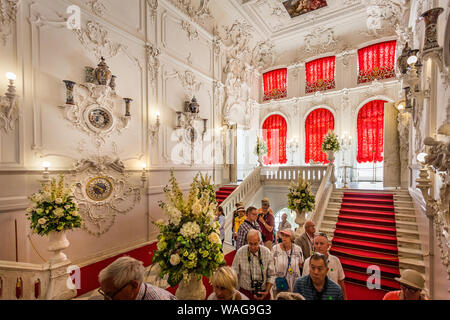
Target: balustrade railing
(313,174)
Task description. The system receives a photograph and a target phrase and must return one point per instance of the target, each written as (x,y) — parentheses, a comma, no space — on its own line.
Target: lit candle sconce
(154,129)
(46,173)
(144,174)
(127,106)
(8,101)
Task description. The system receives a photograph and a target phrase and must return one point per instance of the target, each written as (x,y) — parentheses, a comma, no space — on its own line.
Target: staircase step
(367,206)
(362,255)
(385,284)
(225,193)
(407,252)
(366,228)
(408,263)
(369,195)
(361,266)
(367,220)
(388,239)
(365,245)
(367,213)
(375,201)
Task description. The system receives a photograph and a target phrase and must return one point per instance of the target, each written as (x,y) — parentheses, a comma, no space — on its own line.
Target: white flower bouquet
(260,148)
(301,197)
(53,209)
(331,142)
(189,243)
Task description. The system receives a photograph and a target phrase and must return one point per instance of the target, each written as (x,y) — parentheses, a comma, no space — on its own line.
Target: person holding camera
(288,259)
(266,222)
(254,266)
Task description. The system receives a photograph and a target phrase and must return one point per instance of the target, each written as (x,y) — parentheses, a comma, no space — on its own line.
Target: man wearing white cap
(411,285)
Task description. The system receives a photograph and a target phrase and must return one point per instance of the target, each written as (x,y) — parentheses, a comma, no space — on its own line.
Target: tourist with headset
(254,266)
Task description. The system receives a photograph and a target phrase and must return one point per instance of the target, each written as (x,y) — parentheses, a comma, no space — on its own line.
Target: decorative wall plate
(98,119)
(99,188)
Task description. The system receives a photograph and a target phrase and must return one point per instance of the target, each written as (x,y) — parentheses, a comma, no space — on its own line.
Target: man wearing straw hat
(411,285)
(235,215)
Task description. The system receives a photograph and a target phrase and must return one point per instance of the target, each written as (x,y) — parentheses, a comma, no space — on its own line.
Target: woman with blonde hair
(224,282)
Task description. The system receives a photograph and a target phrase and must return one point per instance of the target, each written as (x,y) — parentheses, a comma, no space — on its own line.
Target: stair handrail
(250,184)
(322,195)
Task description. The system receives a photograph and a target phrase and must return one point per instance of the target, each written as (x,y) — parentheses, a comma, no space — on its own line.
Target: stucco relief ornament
(95,39)
(8,11)
(103,191)
(263,54)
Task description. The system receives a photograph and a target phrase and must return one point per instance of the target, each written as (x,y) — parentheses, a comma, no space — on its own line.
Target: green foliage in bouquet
(260,148)
(331,142)
(300,196)
(53,209)
(189,243)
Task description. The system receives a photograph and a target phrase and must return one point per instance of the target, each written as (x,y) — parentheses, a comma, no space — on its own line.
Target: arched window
(274,134)
(317,125)
(376,62)
(370,127)
(320,74)
(275,84)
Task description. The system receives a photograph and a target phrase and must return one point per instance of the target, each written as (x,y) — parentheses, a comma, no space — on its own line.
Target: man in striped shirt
(249,224)
(317,285)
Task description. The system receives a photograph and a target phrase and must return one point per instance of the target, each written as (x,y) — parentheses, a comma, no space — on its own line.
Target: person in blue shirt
(317,285)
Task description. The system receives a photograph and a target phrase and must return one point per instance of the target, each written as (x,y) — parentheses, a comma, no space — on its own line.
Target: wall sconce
(154,129)
(400,106)
(143,174)
(423,182)
(186,118)
(46,173)
(127,106)
(8,103)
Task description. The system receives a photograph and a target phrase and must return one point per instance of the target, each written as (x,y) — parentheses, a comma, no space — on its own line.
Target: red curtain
(275,84)
(274,134)
(317,125)
(320,74)
(371,132)
(376,62)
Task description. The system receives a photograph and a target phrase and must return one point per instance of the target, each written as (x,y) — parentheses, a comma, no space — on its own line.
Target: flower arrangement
(189,243)
(331,142)
(53,209)
(300,196)
(260,148)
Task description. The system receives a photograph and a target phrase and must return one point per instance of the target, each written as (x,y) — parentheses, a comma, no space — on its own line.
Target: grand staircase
(373,228)
(224,192)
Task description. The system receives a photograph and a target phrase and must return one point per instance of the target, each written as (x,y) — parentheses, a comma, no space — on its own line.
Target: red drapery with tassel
(317,125)
(320,74)
(274,134)
(275,84)
(371,132)
(376,62)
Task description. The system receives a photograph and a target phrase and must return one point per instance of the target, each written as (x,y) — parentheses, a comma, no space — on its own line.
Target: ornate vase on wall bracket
(102,73)
(431,17)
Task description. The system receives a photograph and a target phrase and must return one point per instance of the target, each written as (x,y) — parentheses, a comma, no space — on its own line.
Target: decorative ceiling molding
(200,14)
(383,15)
(8,12)
(320,40)
(94,37)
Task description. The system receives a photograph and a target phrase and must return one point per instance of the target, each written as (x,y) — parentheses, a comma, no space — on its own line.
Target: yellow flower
(191,256)
(161,245)
(214,238)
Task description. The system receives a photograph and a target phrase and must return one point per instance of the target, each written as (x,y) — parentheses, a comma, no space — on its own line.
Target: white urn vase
(57,243)
(300,220)
(194,289)
(330,156)
(260,160)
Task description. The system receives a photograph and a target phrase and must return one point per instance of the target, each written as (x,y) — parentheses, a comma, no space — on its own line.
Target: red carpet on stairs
(365,235)
(223,193)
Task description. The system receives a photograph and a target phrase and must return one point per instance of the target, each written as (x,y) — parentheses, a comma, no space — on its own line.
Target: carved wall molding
(153,5)
(189,82)
(97,7)
(320,40)
(8,115)
(8,12)
(103,191)
(94,37)
(153,63)
(90,99)
(382,15)
(263,55)
(192,33)
(200,14)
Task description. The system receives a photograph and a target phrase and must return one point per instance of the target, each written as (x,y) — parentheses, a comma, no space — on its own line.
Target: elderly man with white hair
(254,266)
(124,280)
